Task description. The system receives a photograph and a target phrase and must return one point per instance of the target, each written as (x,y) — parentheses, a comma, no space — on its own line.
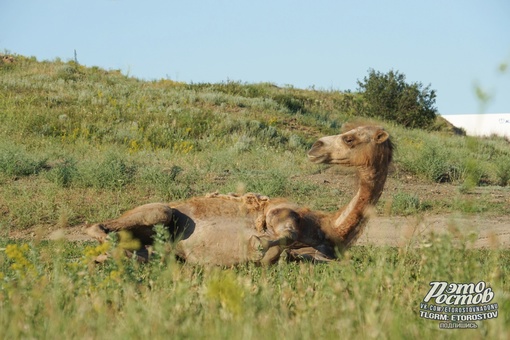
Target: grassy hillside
(83,144)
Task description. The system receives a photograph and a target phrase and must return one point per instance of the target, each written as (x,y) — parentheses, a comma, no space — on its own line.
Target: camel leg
(272,255)
(283,223)
(309,254)
(138,221)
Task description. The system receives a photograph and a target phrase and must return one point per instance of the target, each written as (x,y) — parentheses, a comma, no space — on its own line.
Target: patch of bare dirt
(476,231)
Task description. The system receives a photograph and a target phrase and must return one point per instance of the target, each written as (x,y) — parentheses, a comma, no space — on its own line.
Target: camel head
(362,146)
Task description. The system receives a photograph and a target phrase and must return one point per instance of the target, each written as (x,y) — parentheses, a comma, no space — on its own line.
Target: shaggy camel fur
(230,229)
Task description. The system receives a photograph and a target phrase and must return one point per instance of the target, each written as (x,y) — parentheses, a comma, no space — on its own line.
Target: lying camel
(230,229)
(6,59)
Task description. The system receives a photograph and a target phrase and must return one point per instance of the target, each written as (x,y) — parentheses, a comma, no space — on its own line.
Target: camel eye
(349,140)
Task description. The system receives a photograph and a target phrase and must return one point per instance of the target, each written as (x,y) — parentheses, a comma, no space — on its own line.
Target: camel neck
(345,225)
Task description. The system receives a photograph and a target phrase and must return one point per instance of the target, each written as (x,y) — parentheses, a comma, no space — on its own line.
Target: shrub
(291,102)
(503,171)
(473,174)
(433,162)
(69,71)
(63,172)
(388,96)
(16,162)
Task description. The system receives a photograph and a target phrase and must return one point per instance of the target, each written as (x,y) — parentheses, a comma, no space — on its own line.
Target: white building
(485,124)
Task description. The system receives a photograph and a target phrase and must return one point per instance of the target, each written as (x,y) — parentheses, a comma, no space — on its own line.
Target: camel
(230,229)
(7,59)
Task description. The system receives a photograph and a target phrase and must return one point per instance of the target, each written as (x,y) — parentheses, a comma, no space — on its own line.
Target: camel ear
(381,136)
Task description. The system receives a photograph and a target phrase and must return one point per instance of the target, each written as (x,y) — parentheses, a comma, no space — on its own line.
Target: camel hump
(251,200)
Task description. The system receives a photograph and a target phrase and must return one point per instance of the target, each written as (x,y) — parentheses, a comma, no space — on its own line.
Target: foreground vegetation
(54,289)
(83,144)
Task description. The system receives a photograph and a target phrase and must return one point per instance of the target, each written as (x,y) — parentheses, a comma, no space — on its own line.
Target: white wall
(482,124)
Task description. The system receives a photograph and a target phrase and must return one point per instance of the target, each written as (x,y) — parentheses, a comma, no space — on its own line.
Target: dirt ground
(477,231)
(487,230)
(490,229)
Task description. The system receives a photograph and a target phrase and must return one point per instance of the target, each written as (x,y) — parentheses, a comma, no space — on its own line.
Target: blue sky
(453,45)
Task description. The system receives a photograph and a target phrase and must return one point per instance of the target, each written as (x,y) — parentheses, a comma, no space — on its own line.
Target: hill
(83,144)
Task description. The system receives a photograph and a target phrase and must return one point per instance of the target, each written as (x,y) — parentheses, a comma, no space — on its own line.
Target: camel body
(223,229)
(230,229)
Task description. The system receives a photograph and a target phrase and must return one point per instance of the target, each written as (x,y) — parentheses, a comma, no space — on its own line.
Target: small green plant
(271,183)
(224,290)
(290,102)
(405,204)
(63,173)
(167,183)
(470,205)
(69,71)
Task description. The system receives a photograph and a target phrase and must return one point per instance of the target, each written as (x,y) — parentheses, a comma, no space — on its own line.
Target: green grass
(50,289)
(16,162)
(406,204)
(83,144)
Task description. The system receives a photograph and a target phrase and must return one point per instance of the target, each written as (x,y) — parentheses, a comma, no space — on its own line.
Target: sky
(455,45)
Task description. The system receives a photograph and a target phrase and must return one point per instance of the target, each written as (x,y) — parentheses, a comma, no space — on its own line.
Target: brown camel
(6,59)
(230,229)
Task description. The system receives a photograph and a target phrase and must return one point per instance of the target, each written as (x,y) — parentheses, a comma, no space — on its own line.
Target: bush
(503,171)
(63,172)
(16,162)
(388,96)
(432,161)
